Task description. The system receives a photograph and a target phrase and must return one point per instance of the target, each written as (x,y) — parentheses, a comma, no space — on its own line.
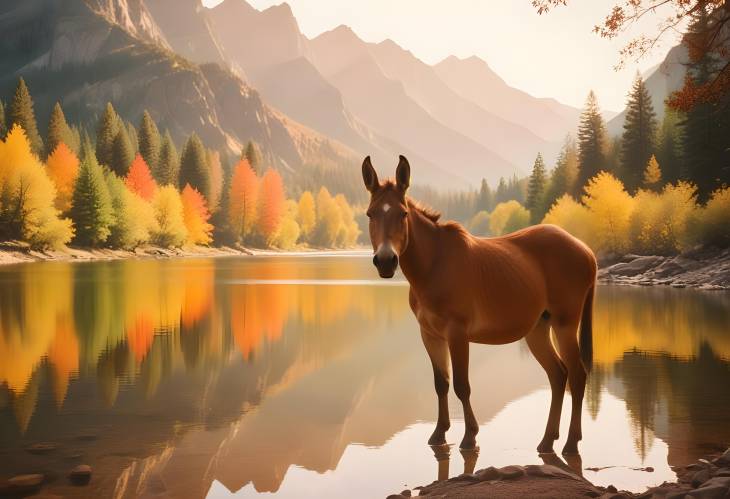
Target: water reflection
(250,375)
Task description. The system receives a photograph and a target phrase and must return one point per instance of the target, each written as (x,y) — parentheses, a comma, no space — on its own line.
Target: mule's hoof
(546,447)
(468,443)
(570,448)
(437,438)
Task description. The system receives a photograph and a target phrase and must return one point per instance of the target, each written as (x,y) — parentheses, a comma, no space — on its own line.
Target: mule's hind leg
(566,335)
(542,348)
(438,352)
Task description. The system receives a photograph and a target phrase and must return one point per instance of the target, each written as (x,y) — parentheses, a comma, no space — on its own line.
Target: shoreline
(706,478)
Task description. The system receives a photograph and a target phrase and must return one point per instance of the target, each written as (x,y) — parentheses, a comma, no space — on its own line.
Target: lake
(305,376)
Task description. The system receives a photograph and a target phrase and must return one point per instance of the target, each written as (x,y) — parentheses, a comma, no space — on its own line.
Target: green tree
(58,130)
(194,167)
(638,140)
(3,123)
(501,195)
(106,131)
(591,142)
(168,165)
(536,191)
(21,112)
(669,147)
(122,153)
(91,210)
(149,141)
(253,154)
(485,200)
(133,137)
(563,175)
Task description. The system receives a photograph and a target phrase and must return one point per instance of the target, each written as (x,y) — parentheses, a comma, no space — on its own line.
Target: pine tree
(652,178)
(21,113)
(669,147)
(122,153)
(168,165)
(133,137)
(91,210)
(638,140)
(536,191)
(485,200)
(591,143)
(501,194)
(253,154)
(106,131)
(58,130)
(563,175)
(149,141)
(194,167)
(3,122)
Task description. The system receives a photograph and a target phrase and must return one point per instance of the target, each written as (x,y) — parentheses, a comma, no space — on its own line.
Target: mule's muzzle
(386,261)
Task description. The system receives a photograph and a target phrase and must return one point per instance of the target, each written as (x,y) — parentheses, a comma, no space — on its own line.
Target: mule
(466,289)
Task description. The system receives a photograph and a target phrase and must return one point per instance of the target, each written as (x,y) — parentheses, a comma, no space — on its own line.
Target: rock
(80,475)
(636,266)
(723,472)
(713,492)
(725,458)
(548,470)
(700,477)
(614,495)
(487,474)
(395,496)
(611,489)
(22,484)
(721,481)
(406,493)
(42,448)
(511,472)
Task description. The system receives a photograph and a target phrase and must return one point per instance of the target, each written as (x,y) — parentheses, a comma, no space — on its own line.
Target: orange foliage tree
(63,168)
(196,215)
(242,198)
(139,179)
(271,205)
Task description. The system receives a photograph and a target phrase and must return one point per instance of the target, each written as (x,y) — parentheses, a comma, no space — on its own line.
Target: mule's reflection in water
(465,289)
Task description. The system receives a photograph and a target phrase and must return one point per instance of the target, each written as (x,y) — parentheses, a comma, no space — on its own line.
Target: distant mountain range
(233,73)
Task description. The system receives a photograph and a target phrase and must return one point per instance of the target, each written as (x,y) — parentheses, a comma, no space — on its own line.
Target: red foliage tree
(139,179)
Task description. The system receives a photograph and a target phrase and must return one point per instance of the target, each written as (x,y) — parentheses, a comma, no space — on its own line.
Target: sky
(551,55)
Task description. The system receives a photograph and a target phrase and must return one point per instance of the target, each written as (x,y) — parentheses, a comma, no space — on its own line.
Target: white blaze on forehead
(386,207)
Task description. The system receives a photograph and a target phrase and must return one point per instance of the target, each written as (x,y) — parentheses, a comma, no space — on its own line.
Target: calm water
(305,376)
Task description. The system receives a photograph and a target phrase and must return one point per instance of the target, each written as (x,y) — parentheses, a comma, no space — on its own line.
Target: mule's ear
(369,175)
(403,174)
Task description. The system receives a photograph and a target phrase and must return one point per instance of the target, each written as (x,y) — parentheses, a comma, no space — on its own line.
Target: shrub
(508,217)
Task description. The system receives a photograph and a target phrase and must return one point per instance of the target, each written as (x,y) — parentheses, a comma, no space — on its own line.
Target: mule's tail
(586,331)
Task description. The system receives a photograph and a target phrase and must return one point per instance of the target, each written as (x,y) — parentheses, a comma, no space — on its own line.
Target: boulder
(80,475)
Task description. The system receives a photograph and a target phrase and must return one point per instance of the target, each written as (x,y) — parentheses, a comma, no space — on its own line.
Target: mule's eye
(404,214)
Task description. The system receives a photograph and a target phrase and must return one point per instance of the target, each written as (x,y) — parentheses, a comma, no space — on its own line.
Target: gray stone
(511,472)
(80,475)
(712,492)
(22,484)
(406,493)
(700,477)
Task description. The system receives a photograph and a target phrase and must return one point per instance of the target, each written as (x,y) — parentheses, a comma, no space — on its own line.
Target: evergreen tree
(91,210)
(106,131)
(613,156)
(74,138)
(501,195)
(638,140)
(58,130)
(536,191)
(253,154)
(669,147)
(485,201)
(122,153)
(591,143)
(563,175)
(3,123)
(149,141)
(194,167)
(168,165)
(21,112)
(133,138)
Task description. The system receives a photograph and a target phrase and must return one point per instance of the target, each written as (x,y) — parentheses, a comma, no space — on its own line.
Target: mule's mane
(426,211)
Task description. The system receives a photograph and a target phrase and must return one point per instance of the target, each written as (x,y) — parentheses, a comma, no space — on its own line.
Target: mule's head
(388,214)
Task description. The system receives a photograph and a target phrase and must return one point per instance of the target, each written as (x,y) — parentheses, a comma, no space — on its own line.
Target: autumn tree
(329,220)
(349,231)
(660,222)
(134,220)
(139,179)
(196,216)
(170,230)
(637,144)
(3,121)
(91,209)
(591,142)
(479,224)
(27,196)
(252,153)
(242,200)
(21,113)
(194,166)
(168,165)
(508,217)
(149,140)
(536,191)
(122,153)
(652,174)
(216,179)
(271,204)
(62,167)
(106,130)
(58,130)
(610,207)
(306,214)
(572,216)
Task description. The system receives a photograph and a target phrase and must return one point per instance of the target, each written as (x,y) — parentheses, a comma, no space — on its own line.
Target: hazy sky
(553,55)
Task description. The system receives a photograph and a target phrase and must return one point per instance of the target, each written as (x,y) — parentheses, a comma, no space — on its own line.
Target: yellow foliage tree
(329,219)
(508,217)
(610,207)
(306,215)
(168,208)
(572,216)
(652,174)
(714,219)
(135,219)
(63,168)
(659,223)
(27,196)
(348,231)
(196,215)
(289,230)
(479,224)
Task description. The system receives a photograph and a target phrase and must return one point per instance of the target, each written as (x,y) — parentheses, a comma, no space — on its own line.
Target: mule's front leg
(459,350)
(438,352)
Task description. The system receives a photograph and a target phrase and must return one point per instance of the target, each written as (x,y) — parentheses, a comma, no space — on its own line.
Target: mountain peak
(282,9)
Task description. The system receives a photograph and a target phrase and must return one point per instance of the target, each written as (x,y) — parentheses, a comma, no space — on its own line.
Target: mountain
(662,80)
(384,105)
(75,51)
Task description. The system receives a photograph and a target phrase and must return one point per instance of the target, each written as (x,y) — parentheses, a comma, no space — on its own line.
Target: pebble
(80,475)
(42,448)
(22,484)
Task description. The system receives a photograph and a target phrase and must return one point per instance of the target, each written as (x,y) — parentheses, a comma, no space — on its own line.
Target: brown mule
(487,290)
